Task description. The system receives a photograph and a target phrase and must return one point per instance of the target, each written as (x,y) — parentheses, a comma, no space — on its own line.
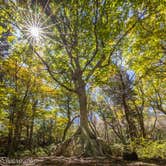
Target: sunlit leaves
(1,29)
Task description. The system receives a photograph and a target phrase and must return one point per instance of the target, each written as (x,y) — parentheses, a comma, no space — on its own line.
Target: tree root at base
(83,145)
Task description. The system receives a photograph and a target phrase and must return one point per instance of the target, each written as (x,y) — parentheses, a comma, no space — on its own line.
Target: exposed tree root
(83,144)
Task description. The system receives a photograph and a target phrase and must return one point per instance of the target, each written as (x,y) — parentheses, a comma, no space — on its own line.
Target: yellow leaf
(111,42)
(1,30)
(10,38)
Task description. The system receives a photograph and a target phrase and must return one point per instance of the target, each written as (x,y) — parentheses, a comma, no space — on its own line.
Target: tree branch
(49,70)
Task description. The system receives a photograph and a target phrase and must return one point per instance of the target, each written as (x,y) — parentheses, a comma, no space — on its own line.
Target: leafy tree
(83,31)
(81,42)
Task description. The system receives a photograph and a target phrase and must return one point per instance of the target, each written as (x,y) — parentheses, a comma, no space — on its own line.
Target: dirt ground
(73,161)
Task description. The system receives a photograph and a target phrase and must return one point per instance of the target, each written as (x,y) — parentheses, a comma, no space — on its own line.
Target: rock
(130,156)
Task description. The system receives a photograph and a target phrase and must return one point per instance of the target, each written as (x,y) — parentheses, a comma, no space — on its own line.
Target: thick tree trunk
(83,108)
(91,145)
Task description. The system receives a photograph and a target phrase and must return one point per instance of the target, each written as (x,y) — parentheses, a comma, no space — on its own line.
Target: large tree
(83,32)
(85,36)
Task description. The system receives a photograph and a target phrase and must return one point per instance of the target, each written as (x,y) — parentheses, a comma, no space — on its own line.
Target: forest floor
(73,161)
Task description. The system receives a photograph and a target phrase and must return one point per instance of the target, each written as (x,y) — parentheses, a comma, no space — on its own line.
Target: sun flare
(34,26)
(35,31)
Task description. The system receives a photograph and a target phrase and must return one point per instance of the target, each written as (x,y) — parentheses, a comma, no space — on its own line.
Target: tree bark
(130,120)
(89,141)
(83,107)
(128,112)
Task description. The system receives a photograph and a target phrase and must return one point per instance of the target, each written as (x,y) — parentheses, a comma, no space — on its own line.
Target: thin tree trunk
(106,135)
(67,127)
(10,134)
(27,134)
(130,120)
(30,142)
(19,115)
(128,113)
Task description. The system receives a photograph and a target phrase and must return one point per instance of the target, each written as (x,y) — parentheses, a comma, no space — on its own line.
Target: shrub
(24,153)
(152,149)
(117,149)
(40,152)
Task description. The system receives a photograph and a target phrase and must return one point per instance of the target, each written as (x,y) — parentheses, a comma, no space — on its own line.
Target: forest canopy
(83,78)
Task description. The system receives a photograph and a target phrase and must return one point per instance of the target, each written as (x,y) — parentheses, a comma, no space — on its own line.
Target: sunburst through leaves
(35,25)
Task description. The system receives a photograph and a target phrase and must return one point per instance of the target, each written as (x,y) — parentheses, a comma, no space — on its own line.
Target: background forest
(83,77)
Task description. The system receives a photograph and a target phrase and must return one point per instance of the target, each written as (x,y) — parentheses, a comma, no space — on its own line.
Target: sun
(35,31)
(35,26)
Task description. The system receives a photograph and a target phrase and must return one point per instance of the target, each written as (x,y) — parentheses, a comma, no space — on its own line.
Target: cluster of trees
(102,61)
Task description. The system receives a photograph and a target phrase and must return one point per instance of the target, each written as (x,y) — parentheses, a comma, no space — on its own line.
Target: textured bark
(128,112)
(91,145)
(141,121)
(130,120)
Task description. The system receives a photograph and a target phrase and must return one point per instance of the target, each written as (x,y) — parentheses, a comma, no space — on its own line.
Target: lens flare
(35,31)
(35,26)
